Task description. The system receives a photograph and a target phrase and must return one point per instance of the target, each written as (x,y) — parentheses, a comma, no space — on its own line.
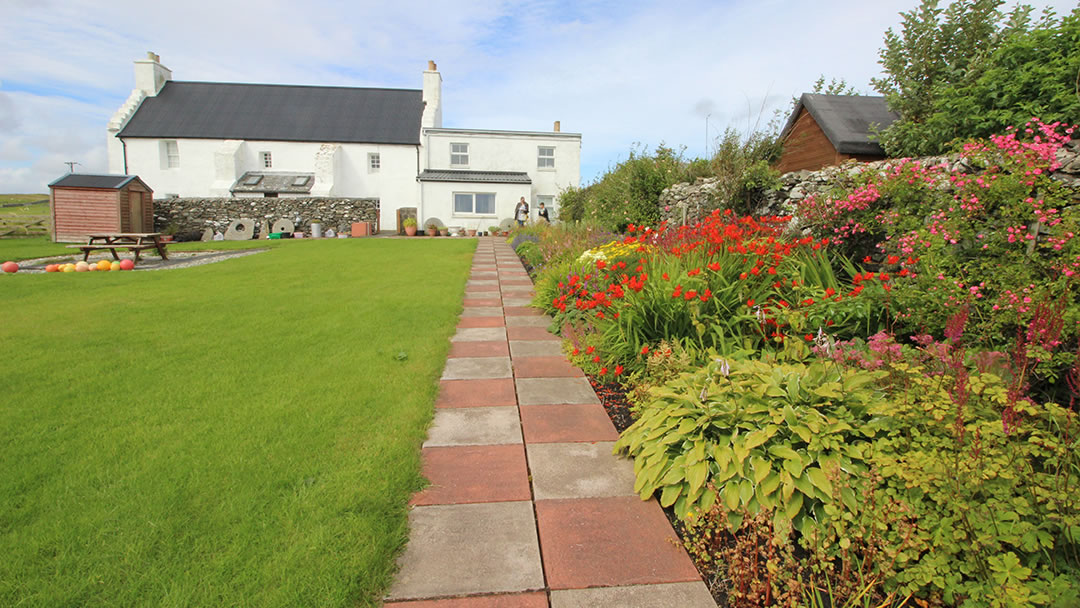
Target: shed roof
(455,175)
(88,180)
(270,112)
(847,120)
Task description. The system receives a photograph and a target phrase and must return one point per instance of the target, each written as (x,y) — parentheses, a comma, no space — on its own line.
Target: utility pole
(707,135)
(71,165)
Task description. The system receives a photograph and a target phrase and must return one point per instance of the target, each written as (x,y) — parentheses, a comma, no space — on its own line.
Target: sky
(626,74)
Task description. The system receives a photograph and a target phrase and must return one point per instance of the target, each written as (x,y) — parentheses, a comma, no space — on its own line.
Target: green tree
(936,51)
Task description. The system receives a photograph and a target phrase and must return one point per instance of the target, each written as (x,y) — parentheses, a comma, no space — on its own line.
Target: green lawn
(235,434)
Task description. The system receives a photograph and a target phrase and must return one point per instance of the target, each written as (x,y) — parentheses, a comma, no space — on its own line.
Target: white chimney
(150,75)
(558,126)
(432,117)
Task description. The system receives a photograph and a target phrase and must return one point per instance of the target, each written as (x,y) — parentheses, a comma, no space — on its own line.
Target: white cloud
(617,72)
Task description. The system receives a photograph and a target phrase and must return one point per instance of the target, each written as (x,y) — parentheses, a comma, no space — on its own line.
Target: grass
(235,434)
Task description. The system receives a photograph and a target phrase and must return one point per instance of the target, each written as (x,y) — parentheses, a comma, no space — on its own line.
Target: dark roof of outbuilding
(846,120)
(87,180)
(274,182)
(453,175)
(270,112)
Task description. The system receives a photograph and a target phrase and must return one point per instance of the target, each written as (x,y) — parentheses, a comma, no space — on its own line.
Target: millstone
(284,225)
(207,235)
(240,230)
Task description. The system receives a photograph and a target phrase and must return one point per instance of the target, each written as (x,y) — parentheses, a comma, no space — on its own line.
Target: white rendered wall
(439,203)
(201,164)
(510,151)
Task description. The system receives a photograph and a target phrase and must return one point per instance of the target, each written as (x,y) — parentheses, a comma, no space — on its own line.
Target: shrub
(529,251)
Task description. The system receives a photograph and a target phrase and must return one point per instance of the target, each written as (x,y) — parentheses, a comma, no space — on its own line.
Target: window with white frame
(474,203)
(170,154)
(545,157)
(266,159)
(374,162)
(549,204)
(459,155)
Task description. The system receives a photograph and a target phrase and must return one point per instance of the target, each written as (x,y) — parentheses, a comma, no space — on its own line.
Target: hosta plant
(773,433)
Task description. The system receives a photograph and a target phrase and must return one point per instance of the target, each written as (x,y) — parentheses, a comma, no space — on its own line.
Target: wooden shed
(826,130)
(84,204)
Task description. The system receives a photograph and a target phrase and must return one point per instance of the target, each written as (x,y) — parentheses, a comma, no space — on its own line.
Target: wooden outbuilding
(85,204)
(826,130)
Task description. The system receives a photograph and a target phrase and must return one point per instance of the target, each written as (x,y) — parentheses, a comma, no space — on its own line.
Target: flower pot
(410,230)
(444,232)
(471,232)
(433,232)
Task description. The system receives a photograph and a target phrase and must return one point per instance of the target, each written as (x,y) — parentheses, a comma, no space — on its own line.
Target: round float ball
(92,268)
(9,267)
(82,267)
(103,265)
(127,264)
(114,266)
(68,268)
(52,268)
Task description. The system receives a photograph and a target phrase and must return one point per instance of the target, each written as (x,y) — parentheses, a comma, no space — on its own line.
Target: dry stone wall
(190,217)
(692,201)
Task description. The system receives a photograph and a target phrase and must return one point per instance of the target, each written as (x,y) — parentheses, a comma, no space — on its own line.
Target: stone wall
(191,216)
(691,201)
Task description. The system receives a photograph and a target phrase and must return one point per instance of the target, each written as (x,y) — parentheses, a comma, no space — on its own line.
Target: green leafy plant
(409,222)
(770,434)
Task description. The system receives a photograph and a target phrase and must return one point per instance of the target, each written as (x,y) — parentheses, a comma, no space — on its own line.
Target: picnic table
(135,242)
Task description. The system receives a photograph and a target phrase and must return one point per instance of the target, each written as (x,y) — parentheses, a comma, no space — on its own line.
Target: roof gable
(267,112)
(846,120)
(87,180)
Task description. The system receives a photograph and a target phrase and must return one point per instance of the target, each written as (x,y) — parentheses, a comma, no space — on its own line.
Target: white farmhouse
(204,139)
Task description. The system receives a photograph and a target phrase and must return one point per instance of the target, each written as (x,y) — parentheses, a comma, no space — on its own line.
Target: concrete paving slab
(553,391)
(514,301)
(481,311)
(586,543)
(474,426)
(476,334)
(476,368)
(529,321)
(579,470)
(471,474)
(683,595)
(545,367)
(494,348)
(536,348)
(467,322)
(476,393)
(476,282)
(509,288)
(522,311)
(529,333)
(566,424)
(505,600)
(470,302)
(469,549)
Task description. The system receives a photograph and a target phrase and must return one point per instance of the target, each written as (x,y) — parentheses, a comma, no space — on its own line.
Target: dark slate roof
(274,182)
(86,180)
(270,112)
(846,120)
(498,177)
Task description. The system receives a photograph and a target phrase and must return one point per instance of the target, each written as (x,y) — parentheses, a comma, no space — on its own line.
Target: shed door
(135,211)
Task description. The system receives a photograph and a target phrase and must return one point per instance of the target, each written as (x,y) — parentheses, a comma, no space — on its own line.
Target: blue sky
(620,73)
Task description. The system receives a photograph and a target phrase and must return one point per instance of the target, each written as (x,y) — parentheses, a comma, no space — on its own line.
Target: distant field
(14,217)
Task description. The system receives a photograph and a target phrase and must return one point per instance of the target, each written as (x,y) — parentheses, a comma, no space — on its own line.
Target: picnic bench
(135,242)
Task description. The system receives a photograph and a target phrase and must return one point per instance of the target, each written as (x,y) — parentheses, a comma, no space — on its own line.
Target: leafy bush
(530,252)
(766,434)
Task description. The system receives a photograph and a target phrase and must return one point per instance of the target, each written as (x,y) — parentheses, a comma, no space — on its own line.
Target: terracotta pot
(433,232)
(444,232)
(471,232)
(410,230)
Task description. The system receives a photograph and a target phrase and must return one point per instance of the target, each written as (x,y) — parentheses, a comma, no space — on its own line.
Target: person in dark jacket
(543,213)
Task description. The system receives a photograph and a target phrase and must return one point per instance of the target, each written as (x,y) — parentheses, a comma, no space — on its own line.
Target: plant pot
(410,230)
(444,232)
(433,232)
(471,232)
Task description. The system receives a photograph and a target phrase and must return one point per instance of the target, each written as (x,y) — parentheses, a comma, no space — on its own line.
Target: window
(474,203)
(545,157)
(267,161)
(300,180)
(549,204)
(374,163)
(253,180)
(459,155)
(170,155)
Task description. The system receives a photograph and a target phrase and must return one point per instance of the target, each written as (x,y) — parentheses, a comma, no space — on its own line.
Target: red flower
(618,370)
(665,277)
(645,349)
(830,292)
(715,266)
(596,359)
(866,260)
(589,350)
(742,276)
(603,371)
(690,295)
(694,272)
(894,259)
(750,303)
(809,338)
(705,296)
(577,352)
(600,264)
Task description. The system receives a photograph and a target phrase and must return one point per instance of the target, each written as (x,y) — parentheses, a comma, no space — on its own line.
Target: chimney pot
(431,66)
(557,126)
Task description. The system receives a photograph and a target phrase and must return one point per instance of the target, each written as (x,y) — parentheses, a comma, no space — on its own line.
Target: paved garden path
(527,506)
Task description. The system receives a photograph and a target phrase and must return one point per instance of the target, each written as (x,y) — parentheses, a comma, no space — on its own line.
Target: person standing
(543,213)
(521,212)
